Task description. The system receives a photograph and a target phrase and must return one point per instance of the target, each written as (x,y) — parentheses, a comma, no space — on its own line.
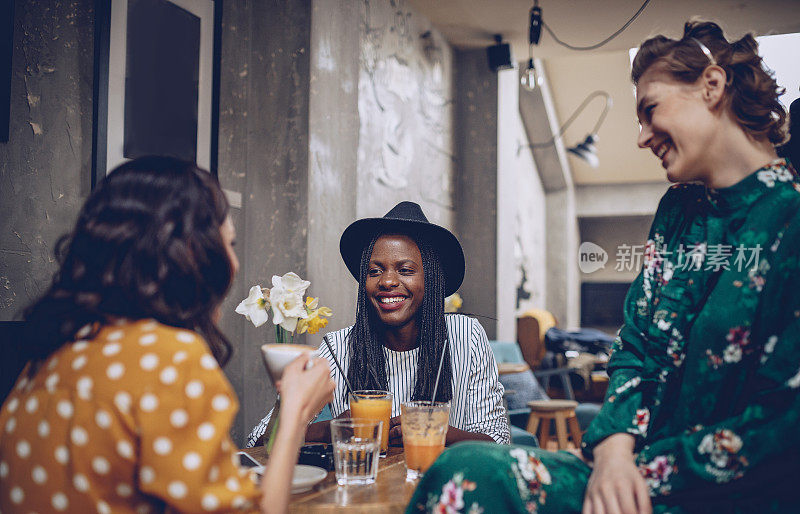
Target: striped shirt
(477,403)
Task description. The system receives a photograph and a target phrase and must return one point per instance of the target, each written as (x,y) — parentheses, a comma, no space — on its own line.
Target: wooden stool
(507,368)
(560,411)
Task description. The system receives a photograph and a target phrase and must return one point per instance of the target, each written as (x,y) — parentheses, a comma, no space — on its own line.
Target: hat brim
(360,233)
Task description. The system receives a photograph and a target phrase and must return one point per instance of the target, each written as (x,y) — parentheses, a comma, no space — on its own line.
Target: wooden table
(389,493)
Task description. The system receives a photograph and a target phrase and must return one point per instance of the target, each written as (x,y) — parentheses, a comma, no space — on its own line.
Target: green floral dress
(704,374)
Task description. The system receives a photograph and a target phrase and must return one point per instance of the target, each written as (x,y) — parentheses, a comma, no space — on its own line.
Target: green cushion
(520,436)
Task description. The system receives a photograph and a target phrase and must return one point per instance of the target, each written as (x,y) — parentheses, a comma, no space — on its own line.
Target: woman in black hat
(405,266)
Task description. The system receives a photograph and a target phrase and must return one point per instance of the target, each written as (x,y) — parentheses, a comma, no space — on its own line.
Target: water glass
(356,445)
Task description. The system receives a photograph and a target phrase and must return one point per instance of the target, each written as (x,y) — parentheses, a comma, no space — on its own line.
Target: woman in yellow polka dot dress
(123,406)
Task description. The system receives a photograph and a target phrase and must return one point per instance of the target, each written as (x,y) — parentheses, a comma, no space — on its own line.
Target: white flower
(635,381)
(706,444)
(794,382)
(287,307)
(732,353)
(254,307)
(783,174)
(525,468)
(721,447)
(291,283)
(669,270)
(767,177)
(769,347)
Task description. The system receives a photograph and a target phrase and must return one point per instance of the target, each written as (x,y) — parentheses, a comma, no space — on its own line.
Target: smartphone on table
(246,461)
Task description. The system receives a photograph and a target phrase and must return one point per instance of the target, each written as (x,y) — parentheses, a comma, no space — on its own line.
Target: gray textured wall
(380,130)
(290,136)
(476,181)
(562,288)
(527,204)
(264,156)
(333,149)
(405,104)
(44,167)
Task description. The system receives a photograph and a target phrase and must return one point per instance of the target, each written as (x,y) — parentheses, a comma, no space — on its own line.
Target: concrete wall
(353,117)
(45,165)
(521,277)
(333,153)
(380,130)
(618,199)
(562,287)
(476,184)
(297,76)
(405,105)
(264,117)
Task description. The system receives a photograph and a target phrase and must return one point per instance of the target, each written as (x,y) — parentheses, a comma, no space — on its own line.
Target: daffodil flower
(289,312)
(255,307)
(287,308)
(453,302)
(315,321)
(291,284)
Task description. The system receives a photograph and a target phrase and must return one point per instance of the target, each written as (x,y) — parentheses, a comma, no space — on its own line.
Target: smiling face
(676,124)
(395,284)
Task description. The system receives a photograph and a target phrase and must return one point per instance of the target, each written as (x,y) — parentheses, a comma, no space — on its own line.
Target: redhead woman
(702,407)
(123,406)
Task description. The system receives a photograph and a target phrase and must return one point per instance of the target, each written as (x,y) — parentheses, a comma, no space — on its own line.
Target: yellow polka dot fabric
(134,420)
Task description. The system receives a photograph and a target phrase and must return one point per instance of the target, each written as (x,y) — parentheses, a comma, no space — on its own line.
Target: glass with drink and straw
(424,426)
(374,405)
(356,445)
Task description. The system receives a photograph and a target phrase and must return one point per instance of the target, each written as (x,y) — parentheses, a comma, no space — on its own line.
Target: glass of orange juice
(424,428)
(376,406)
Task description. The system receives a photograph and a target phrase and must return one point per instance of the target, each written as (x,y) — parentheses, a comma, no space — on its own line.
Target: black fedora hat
(405,218)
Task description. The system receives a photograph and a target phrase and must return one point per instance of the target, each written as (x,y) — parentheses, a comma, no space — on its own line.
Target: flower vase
(282,336)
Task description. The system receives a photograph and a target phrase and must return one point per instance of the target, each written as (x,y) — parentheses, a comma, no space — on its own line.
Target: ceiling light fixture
(586,149)
(531,79)
(499,55)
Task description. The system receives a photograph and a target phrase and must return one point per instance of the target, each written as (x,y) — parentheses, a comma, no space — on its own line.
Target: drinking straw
(339,366)
(438,373)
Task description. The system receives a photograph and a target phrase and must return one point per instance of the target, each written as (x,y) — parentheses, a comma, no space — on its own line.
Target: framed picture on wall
(156,84)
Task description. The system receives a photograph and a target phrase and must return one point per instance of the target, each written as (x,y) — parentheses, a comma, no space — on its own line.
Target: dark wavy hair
(367,368)
(147,244)
(751,90)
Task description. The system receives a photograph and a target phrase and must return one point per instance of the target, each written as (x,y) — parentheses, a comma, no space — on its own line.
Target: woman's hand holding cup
(305,387)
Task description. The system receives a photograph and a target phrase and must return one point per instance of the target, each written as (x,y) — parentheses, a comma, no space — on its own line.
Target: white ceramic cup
(277,356)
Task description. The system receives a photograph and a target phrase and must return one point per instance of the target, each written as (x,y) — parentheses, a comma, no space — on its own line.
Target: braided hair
(367,368)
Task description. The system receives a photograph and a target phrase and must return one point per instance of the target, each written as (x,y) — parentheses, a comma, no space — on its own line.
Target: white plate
(305,477)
